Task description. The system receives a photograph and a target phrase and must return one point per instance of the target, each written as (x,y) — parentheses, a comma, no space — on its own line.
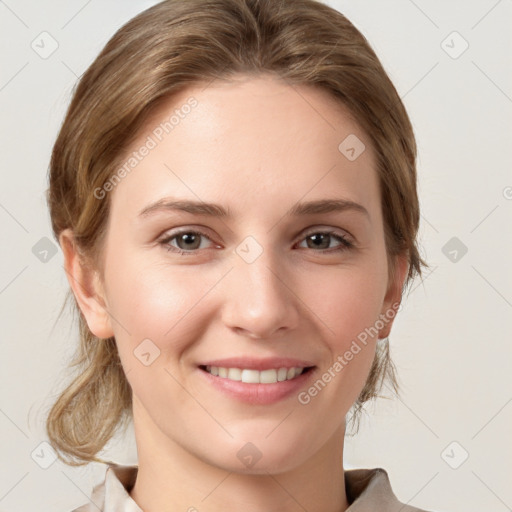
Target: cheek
(157,302)
(347,302)
(348,312)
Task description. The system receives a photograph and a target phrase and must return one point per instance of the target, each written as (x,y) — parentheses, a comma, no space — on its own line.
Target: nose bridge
(259,300)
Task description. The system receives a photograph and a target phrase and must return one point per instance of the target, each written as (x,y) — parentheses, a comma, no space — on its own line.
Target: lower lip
(258,394)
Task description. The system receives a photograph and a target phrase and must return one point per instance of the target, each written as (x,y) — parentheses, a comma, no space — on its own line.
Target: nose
(259,301)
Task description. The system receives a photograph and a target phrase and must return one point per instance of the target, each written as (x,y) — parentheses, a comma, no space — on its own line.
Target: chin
(261,455)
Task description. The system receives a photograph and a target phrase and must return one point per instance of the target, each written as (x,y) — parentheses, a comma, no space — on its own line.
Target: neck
(172,478)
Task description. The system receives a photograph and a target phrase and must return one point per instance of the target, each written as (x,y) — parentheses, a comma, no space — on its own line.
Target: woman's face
(268,280)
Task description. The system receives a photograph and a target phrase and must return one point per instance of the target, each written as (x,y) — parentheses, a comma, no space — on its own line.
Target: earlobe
(86,286)
(393,296)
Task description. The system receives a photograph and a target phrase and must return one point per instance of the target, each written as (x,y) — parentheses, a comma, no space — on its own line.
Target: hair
(160,52)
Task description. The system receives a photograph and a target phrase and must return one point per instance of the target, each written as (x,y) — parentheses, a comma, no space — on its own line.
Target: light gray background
(451,342)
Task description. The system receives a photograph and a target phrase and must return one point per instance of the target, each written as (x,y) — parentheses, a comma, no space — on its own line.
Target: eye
(322,239)
(187,240)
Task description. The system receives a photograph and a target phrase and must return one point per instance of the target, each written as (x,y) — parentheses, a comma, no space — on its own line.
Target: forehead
(250,138)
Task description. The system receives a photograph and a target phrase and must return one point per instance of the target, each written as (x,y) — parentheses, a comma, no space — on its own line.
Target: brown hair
(158,53)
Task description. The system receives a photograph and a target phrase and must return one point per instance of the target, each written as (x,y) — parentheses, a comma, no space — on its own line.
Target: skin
(257,146)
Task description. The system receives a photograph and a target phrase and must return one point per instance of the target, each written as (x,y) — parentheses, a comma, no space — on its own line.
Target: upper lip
(258,364)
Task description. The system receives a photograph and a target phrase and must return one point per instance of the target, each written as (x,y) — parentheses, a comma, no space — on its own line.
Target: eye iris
(189,237)
(320,238)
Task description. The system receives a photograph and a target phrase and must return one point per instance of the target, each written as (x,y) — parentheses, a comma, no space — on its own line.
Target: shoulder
(96,502)
(370,489)
(113,492)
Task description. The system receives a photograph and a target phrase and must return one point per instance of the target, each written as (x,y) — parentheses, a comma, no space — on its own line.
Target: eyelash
(345,243)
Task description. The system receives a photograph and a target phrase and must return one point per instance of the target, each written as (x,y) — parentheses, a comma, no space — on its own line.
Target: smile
(251,376)
(257,381)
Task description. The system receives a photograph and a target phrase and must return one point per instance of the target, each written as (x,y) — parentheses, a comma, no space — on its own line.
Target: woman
(234,192)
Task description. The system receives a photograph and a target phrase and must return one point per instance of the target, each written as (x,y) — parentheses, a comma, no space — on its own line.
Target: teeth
(235,374)
(268,376)
(251,376)
(255,376)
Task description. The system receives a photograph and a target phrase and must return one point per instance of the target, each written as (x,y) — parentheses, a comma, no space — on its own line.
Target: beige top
(368,490)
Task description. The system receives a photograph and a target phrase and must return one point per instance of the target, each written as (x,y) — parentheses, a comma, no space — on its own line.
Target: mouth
(257,381)
(255,376)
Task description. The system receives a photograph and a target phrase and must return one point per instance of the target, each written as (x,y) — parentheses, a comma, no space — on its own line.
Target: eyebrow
(216,210)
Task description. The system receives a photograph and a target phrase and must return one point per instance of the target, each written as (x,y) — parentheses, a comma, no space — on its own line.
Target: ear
(393,296)
(86,286)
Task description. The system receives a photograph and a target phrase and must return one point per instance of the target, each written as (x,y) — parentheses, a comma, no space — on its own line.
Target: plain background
(451,342)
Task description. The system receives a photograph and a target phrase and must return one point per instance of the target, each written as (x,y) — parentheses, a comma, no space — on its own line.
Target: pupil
(319,239)
(188,238)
